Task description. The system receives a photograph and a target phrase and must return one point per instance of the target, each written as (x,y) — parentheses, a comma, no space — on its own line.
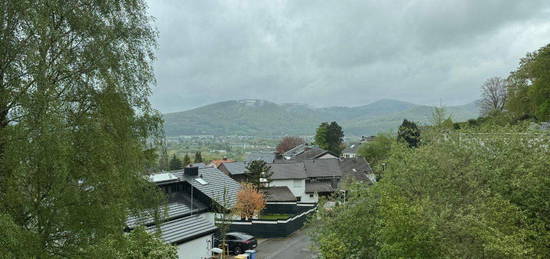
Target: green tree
(137,244)
(77,131)
(257,170)
(378,150)
(198,157)
(186,160)
(175,163)
(529,86)
(330,137)
(480,193)
(164,160)
(409,133)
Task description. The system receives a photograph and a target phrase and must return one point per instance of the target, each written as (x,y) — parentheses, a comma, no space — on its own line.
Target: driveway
(297,245)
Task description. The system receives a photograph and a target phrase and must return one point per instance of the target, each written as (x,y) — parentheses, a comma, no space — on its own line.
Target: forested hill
(263,118)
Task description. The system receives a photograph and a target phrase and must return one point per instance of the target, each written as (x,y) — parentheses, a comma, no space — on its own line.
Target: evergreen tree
(186,160)
(257,170)
(330,137)
(76,125)
(408,132)
(198,157)
(175,163)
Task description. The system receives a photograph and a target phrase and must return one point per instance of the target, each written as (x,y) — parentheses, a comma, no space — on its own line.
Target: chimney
(191,171)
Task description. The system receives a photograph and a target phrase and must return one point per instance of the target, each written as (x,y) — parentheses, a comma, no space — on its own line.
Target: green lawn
(275,216)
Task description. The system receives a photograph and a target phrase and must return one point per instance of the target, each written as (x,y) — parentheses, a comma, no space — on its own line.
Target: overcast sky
(344,53)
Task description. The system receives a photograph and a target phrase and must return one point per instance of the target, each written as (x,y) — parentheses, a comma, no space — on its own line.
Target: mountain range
(253,117)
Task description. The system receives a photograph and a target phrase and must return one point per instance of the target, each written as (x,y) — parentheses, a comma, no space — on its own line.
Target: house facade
(310,179)
(193,197)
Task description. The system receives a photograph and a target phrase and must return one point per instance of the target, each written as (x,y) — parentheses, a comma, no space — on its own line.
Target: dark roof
(268,157)
(216,182)
(279,193)
(357,168)
(314,152)
(183,229)
(179,207)
(199,165)
(328,167)
(318,187)
(296,150)
(234,168)
(282,171)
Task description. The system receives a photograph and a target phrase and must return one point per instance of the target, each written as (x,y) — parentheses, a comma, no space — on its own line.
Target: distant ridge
(252,117)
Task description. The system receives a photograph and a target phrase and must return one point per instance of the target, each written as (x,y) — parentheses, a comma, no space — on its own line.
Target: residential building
(267,157)
(351,150)
(194,195)
(306,151)
(235,170)
(217,163)
(290,175)
(311,179)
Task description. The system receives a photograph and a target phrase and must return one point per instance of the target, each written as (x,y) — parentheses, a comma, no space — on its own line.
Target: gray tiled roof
(357,168)
(268,157)
(328,167)
(279,193)
(312,153)
(216,181)
(288,171)
(295,150)
(199,165)
(177,208)
(318,187)
(182,229)
(235,168)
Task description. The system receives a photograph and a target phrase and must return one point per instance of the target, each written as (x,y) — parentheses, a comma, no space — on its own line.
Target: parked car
(238,242)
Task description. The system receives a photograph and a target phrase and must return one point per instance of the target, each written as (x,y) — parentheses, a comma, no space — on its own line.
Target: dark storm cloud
(339,52)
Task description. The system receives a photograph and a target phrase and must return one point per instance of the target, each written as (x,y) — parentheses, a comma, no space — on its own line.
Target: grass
(275,216)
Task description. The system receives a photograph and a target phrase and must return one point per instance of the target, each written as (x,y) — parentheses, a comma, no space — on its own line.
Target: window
(311,195)
(298,198)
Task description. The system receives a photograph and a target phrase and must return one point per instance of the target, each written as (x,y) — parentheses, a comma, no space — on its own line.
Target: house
(351,150)
(267,157)
(308,180)
(356,170)
(199,165)
(189,224)
(323,176)
(210,185)
(194,196)
(290,175)
(217,163)
(307,151)
(278,194)
(235,170)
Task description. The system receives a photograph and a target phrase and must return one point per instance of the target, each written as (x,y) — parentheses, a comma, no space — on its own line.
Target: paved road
(296,245)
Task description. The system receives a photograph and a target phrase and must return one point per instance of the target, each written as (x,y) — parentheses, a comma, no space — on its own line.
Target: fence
(274,228)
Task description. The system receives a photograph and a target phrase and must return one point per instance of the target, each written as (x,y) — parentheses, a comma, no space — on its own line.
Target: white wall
(196,249)
(325,156)
(306,197)
(210,217)
(349,155)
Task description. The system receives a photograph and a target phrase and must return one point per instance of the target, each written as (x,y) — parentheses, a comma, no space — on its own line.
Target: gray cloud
(349,53)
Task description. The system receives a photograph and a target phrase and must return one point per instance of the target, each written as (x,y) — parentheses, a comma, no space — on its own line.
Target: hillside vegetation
(263,118)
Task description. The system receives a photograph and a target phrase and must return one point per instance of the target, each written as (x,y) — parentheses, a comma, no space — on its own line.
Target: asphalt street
(296,245)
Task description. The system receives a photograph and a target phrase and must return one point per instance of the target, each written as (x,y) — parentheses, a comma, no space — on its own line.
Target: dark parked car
(238,242)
